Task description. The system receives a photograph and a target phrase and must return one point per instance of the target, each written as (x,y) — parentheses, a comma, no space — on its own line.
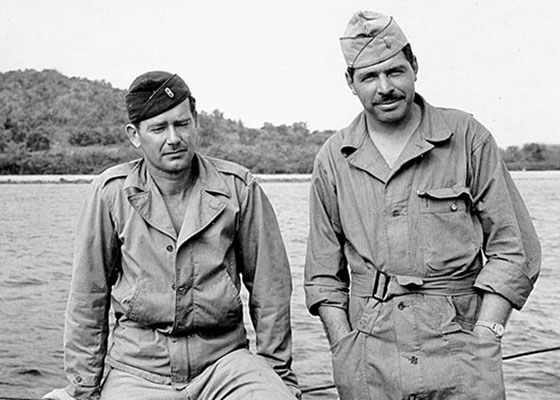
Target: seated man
(166,241)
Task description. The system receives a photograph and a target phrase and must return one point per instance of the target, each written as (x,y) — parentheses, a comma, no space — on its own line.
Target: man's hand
(58,394)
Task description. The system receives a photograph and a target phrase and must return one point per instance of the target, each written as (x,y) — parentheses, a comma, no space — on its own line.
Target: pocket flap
(446,193)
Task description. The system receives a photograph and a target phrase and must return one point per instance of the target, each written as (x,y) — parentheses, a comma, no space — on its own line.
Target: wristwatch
(497,329)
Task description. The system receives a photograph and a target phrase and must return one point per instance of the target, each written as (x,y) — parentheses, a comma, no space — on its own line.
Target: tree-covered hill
(53,124)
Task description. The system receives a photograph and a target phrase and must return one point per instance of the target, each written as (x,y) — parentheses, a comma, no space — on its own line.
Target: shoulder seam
(116,171)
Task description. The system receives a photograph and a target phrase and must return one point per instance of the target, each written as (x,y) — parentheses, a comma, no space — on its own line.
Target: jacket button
(453,206)
(169,248)
(401,306)
(79,379)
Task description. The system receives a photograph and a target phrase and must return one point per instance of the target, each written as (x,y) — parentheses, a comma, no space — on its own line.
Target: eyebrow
(180,121)
(156,125)
(397,67)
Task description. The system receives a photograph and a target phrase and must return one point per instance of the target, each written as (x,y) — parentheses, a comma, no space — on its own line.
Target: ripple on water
(36,238)
(26,281)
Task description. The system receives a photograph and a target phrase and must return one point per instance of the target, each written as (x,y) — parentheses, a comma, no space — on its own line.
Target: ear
(196,131)
(195,118)
(350,82)
(133,135)
(415,67)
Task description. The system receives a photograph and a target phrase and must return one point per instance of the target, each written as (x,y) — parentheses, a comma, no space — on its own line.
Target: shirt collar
(432,129)
(139,180)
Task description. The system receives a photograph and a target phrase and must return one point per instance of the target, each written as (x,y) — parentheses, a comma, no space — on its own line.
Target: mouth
(388,103)
(173,153)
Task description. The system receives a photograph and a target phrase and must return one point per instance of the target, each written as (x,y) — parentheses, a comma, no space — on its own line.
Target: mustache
(388,99)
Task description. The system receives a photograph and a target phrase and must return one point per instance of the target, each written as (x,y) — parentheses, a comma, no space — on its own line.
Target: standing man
(420,244)
(167,241)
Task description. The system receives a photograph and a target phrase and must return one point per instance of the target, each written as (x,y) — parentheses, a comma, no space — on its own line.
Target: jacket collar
(204,204)
(139,180)
(361,152)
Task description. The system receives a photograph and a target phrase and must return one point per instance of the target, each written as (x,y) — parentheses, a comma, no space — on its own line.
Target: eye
(367,78)
(157,129)
(395,72)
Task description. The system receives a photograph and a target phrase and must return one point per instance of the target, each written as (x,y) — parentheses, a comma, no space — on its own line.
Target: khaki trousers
(239,375)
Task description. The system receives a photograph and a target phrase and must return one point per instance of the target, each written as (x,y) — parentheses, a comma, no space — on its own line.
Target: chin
(390,119)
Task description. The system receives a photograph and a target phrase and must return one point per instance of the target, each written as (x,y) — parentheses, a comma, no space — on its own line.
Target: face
(386,90)
(167,140)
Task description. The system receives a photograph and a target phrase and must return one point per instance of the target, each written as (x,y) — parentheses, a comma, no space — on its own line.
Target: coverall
(408,252)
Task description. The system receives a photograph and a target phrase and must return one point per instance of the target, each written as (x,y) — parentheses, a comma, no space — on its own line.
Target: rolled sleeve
(326,271)
(507,280)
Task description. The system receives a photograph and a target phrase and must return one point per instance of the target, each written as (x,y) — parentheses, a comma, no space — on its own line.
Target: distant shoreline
(264,178)
(82,179)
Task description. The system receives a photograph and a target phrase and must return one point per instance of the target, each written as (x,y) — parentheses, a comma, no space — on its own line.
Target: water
(37,223)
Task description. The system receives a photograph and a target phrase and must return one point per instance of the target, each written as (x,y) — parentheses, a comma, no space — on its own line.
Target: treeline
(532,156)
(52,124)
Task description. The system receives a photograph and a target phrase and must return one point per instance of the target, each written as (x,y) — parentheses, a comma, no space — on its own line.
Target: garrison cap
(153,93)
(371,38)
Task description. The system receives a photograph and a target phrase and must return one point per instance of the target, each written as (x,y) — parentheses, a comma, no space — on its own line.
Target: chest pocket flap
(446,231)
(456,198)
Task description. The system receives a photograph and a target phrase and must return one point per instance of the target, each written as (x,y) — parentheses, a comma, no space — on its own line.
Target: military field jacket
(176,298)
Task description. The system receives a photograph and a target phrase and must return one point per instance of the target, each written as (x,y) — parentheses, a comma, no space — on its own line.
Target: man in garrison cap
(166,242)
(420,244)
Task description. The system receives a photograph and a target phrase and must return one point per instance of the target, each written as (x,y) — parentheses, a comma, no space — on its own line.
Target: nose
(172,135)
(384,84)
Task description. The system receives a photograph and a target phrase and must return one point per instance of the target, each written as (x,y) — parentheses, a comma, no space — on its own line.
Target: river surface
(37,225)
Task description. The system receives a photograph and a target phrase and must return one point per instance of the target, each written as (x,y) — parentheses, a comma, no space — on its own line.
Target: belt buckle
(380,286)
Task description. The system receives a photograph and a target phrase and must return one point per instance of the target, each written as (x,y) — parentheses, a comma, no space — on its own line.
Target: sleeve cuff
(508,280)
(321,295)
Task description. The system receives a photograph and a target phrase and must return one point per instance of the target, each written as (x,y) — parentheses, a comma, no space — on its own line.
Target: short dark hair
(409,55)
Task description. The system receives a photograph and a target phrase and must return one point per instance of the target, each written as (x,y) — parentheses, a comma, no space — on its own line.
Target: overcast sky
(280,61)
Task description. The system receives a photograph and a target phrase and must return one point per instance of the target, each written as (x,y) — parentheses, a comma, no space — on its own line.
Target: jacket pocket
(217,302)
(446,229)
(463,311)
(147,302)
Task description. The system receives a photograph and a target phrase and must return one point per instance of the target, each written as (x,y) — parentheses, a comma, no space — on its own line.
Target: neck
(173,184)
(391,139)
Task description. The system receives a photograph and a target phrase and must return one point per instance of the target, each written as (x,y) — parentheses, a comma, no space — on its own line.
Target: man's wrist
(496,328)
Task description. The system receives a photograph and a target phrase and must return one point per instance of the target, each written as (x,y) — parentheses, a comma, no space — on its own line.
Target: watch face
(498,329)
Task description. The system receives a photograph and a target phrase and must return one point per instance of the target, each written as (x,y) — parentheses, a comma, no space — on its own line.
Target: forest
(53,124)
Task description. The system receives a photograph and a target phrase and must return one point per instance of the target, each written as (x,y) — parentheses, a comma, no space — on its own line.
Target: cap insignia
(169,92)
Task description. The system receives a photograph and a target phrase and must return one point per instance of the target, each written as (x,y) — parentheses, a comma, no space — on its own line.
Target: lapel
(360,152)
(204,205)
(431,132)
(144,196)
(206,202)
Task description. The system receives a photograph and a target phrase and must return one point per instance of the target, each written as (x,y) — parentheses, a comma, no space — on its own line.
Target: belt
(380,289)
(382,286)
